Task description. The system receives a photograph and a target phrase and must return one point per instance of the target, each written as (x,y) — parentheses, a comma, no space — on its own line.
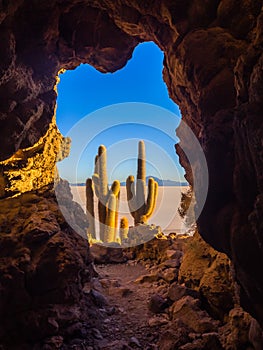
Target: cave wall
(213,71)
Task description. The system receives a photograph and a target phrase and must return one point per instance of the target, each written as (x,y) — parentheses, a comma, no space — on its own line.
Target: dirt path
(126,323)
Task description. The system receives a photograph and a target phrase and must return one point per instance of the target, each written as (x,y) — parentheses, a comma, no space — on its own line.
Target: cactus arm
(140,197)
(102,160)
(109,231)
(141,179)
(90,208)
(96,165)
(141,169)
(102,210)
(96,182)
(130,190)
(117,215)
(115,187)
(152,198)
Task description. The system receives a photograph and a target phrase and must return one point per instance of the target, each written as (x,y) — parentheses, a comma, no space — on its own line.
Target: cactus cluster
(108,198)
(141,208)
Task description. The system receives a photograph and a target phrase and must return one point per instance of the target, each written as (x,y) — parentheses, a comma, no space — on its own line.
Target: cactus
(108,199)
(141,209)
(90,209)
(124,228)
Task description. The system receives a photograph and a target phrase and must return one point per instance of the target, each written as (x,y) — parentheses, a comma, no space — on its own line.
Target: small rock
(107,254)
(148,278)
(176,292)
(207,341)
(111,310)
(157,321)
(173,254)
(157,304)
(171,263)
(122,291)
(134,341)
(97,334)
(170,275)
(98,298)
(96,284)
(188,311)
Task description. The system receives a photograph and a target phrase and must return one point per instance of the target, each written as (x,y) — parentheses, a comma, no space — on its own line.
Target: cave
(213,71)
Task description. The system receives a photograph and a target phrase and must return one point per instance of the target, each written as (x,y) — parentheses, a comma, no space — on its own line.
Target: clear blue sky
(86,112)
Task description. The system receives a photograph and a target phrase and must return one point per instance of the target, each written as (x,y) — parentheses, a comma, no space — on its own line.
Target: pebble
(98,298)
(97,334)
(134,341)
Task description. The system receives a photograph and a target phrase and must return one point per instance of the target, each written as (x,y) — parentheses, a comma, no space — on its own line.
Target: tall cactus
(90,209)
(108,199)
(141,209)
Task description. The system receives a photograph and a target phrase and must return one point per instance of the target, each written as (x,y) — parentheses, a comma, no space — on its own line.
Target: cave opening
(117,110)
(51,297)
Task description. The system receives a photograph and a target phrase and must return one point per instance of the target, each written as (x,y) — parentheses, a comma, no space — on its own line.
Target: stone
(107,255)
(158,321)
(120,291)
(148,278)
(208,341)
(173,254)
(172,263)
(176,292)
(175,336)
(210,275)
(96,333)
(135,341)
(157,304)
(235,333)
(99,299)
(188,310)
(170,275)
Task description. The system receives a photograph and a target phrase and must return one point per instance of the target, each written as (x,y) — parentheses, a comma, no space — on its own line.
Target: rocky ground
(168,293)
(180,297)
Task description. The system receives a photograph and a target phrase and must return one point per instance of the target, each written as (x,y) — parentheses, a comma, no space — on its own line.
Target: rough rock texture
(213,70)
(208,272)
(44,266)
(35,167)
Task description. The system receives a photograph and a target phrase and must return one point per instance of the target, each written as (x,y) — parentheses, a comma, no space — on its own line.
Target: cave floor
(127,323)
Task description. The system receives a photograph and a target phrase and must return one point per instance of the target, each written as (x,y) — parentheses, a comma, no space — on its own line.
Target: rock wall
(213,70)
(44,269)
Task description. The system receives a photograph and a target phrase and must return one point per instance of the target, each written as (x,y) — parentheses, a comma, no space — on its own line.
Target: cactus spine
(108,199)
(141,209)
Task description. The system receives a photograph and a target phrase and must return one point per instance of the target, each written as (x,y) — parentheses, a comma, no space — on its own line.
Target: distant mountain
(163,182)
(159,181)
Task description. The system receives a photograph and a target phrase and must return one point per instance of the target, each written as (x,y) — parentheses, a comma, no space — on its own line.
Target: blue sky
(118,109)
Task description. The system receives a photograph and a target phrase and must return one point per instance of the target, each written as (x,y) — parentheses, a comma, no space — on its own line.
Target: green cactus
(141,209)
(124,228)
(108,199)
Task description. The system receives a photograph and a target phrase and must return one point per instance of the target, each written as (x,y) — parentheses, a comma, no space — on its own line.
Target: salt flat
(165,215)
